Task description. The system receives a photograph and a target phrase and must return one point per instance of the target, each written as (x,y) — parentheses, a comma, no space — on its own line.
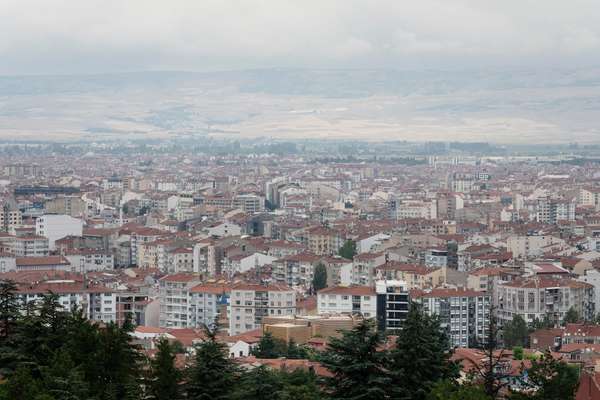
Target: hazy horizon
(466,70)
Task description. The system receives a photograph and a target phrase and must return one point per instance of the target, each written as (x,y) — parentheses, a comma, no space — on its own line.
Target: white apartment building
(98,303)
(465,314)
(30,246)
(416,209)
(85,260)
(537,297)
(250,303)
(207,302)
(530,246)
(348,300)
(174,300)
(56,227)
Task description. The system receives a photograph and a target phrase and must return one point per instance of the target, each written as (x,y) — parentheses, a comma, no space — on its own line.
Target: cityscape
(332,200)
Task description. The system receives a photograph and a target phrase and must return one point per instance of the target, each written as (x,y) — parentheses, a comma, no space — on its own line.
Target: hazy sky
(88,36)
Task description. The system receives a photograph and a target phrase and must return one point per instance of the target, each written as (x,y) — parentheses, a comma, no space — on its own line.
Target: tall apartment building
(392,304)
(173,292)
(209,304)
(538,297)
(9,218)
(250,303)
(465,314)
(348,300)
(551,211)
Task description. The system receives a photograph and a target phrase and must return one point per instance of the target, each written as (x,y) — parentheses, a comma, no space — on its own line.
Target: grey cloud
(53,36)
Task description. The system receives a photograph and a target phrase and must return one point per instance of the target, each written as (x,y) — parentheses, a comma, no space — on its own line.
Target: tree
(450,390)
(550,379)
(489,373)
(571,317)
(421,357)
(118,362)
(348,250)
(269,347)
(319,277)
(515,332)
(165,377)
(544,323)
(358,368)
(9,308)
(518,353)
(258,384)
(212,374)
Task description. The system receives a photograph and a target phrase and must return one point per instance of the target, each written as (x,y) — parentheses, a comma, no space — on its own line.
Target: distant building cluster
(238,242)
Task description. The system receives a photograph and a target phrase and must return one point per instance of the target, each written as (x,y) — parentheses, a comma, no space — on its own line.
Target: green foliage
(164,383)
(348,250)
(320,277)
(450,390)
(571,317)
(550,379)
(421,357)
(358,368)
(544,323)
(213,374)
(269,347)
(515,332)
(518,353)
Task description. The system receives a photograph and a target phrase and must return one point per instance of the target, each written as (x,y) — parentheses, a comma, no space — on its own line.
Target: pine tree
(450,390)
(269,347)
(421,357)
(9,309)
(348,250)
(118,361)
(515,332)
(259,384)
(358,368)
(319,277)
(212,375)
(165,377)
(571,317)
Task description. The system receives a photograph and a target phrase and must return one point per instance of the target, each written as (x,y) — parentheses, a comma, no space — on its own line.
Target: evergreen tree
(571,317)
(259,384)
(515,332)
(348,250)
(543,323)
(165,377)
(269,347)
(489,373)
(300,385)
(320,277)
(450,390)
(118,362)
(358,368)
(9,309)
(421,357)
(212,375)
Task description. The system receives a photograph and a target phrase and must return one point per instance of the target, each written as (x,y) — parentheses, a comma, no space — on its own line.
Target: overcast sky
(90,36)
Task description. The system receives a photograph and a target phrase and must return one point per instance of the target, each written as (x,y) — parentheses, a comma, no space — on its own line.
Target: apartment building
(86,260)
(10,218)
(538,297)
(209,305)
(348,300)
(56,227)
(250,303)
(97,302)
(295,270)
(324,241)
(174,300)
(30,246)
(465,314)
(393,302)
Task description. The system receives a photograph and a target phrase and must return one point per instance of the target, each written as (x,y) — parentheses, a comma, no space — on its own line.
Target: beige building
(250,303)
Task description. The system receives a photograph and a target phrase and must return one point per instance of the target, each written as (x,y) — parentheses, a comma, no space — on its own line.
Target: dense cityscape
(290,264)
